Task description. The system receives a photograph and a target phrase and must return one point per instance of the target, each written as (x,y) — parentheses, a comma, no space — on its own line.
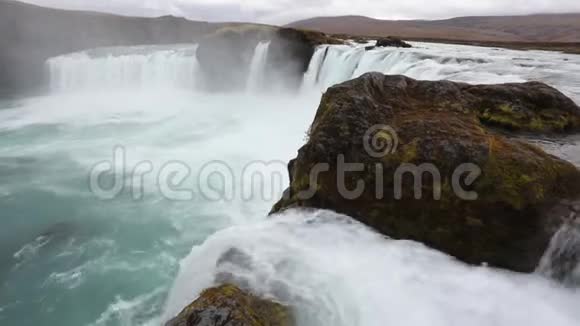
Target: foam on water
(60,243)
(334,271)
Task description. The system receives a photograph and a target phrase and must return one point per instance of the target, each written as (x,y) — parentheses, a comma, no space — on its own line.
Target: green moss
(537,124)
(503,116)
(519,185)
(239,307)
(410,152)
(546,120)
(506,108)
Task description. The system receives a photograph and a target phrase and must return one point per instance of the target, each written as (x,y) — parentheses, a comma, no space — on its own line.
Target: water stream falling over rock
(118,68)
(562,259)
(258,67)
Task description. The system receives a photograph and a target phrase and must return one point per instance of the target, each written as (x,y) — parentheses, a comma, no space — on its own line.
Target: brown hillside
(533,28)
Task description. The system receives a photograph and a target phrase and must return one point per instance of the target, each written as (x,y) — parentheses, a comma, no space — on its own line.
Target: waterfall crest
(126,67)
(177,66)
(332,64)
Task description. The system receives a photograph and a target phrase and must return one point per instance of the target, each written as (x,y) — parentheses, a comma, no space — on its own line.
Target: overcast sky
(285,11)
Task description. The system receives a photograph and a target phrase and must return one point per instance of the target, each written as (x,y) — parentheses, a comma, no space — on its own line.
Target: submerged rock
(433,170)
(393,42)
(227,305)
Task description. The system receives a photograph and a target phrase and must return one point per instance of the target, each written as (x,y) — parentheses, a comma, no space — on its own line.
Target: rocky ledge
(393,42)
(228,305)
(436,166)
(390,41)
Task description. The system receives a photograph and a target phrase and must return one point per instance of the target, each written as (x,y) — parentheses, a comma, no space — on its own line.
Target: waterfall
(562,259)
(311,75)
(332,64)
(338,63)
(258,67)
(125,67)
(176,66)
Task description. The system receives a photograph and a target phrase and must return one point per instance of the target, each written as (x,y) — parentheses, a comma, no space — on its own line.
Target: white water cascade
(177,67)
(258,67)
(334,271)
(126,67)
(338,63)
(562,259)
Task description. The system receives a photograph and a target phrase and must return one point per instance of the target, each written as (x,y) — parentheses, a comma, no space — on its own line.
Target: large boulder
(228,305)
(492,201)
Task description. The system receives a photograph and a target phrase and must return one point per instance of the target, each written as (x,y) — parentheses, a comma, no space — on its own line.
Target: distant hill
(534,28)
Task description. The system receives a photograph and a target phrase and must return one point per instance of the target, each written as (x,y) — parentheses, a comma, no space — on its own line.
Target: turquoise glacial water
(70,258)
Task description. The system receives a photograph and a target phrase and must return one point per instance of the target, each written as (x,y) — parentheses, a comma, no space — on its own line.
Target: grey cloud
(284,11)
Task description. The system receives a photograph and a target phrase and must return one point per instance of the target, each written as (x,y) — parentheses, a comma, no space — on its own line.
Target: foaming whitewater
(334,271)
(70,259)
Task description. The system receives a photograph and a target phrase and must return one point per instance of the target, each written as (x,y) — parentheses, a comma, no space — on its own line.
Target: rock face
(225,55)
(393,42)
(228,305)
(396,126)
(292,49)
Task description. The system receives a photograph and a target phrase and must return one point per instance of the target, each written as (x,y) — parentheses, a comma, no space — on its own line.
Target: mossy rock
(439,123)
(228,305)
(531,107)
(392,42)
